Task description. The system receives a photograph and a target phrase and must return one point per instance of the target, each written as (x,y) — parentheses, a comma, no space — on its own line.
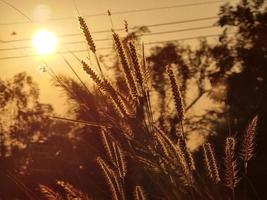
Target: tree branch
(195,100)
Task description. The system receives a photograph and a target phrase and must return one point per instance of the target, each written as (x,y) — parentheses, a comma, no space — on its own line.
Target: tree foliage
(22,115)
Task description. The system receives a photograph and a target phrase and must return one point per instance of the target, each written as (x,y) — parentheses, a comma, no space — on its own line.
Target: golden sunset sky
(17,29)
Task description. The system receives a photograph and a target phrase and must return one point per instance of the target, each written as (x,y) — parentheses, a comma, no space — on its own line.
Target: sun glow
(45,42)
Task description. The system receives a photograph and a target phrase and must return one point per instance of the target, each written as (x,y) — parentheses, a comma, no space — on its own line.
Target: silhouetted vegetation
(128,135)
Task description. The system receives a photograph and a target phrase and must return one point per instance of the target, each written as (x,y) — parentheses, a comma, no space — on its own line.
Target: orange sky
(43,10)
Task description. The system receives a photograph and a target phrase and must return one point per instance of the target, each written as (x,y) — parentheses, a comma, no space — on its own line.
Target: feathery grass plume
(111,178)
(148,163)
(139,193)
(129,105)
(87,34)
(231,177)
(131,63)
(188,155)
(120,160)
(126,27)
(247,148)
(177,152)
(90,41)
(64,83)
(127,130)
(102,83)
(136,65)
(176,94)
(190,160)
(125,66)
(106,144)
(117,109)
(164,145)
(105,86)
(210,162)
(70,190)
(146,74)
(187,170)
(110,19)
(49,193)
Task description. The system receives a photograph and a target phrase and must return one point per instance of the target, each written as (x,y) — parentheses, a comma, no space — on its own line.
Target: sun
(45,42)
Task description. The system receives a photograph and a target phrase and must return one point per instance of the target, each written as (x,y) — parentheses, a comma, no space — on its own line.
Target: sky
(17,29)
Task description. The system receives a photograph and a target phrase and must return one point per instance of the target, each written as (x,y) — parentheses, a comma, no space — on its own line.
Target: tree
(192,69)
(23,118)
(24,126)
(241,63)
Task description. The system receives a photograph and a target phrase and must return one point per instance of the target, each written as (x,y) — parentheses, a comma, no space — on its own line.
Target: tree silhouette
(26,132)
(23,116)
(241,61)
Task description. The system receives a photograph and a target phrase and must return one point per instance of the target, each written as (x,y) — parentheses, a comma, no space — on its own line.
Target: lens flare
(45,42)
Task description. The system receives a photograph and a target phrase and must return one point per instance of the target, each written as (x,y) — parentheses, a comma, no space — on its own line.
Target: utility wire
(164,7)
(122,29)
(121,12)
(19,11)
(109,48)
(110,39)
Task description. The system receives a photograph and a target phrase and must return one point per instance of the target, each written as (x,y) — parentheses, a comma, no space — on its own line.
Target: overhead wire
(18,10)
(109,48)
(119,12)
(116,13)
(122,29)
(109,39)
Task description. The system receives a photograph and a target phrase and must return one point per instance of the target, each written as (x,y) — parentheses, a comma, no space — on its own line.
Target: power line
(16,9)
(179,30)
(162,8)
(122,29)
(120,12)
(109,39)
(109,48)
(63,43)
